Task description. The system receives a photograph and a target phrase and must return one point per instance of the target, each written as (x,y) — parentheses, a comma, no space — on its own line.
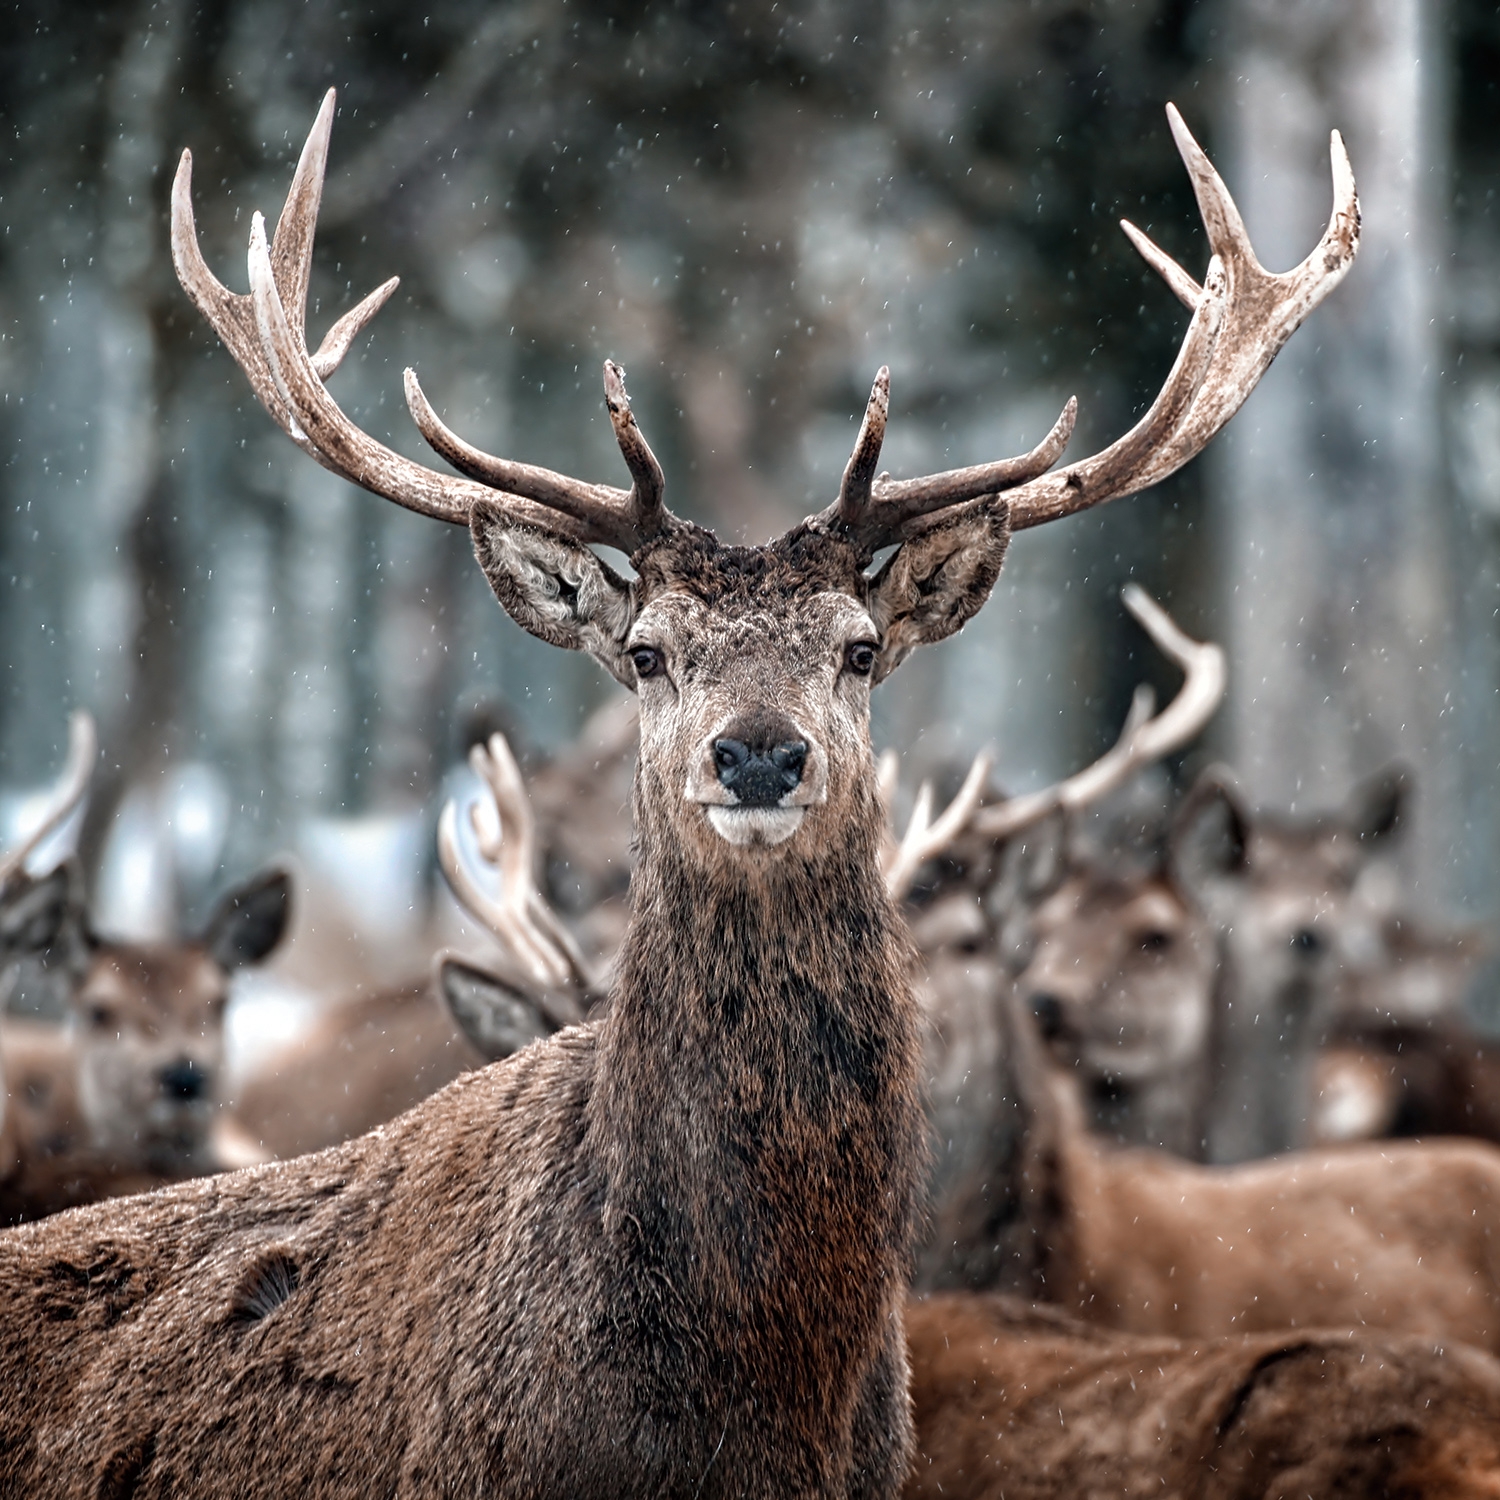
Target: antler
(82,749)
(924,839)
(1242,316)
(528,929)
(1142,740)
(266,334)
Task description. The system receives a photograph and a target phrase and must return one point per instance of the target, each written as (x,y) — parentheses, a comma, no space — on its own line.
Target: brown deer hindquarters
(1019,1403)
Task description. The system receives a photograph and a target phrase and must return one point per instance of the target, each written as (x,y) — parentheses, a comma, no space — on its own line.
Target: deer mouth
(747,826)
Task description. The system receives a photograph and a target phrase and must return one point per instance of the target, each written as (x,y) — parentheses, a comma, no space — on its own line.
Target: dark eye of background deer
(647,661)
(1306,942)
(1155,941)
(860,658)
(101,1017)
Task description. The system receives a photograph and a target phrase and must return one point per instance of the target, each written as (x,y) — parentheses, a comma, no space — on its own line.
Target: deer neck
(757,1107)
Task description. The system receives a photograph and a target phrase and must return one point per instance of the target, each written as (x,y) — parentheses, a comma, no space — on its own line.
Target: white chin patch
(755,825)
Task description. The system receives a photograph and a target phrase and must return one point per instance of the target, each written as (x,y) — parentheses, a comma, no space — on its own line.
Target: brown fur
(1020,1403)
(1404,1237)
(661,1253)
(364,1060)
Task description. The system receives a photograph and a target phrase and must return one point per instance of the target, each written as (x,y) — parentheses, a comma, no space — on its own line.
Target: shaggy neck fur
(758,1116)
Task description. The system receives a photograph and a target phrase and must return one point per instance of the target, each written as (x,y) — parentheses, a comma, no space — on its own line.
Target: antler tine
(521,919)
(1206,677)
(1261,311)
(881,510)
(1143,739)
(611,516)
(925,839)
(78,768)
(859,473)
(647,484)
(265,333)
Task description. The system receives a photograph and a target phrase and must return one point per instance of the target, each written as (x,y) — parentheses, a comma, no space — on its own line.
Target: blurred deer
(123,1095)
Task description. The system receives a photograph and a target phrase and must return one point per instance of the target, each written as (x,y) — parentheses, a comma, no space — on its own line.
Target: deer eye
(101,1017)
(648,662)
(1155,941)
(860,658)
(1306,942)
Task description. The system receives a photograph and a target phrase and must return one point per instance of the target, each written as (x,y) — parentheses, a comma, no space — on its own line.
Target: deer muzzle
(756,775)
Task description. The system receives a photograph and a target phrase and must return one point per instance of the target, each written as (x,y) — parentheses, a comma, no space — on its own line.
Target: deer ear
(33,913)
(250,921)
(1378,808)
(938,580)
(555,588)
(498,1018)
(1210,836)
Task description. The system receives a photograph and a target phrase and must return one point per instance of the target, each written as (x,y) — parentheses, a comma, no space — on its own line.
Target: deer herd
(1091,1141)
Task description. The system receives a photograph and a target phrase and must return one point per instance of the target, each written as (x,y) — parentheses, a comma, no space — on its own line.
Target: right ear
(557,589)
(498,1018)
(1210,836)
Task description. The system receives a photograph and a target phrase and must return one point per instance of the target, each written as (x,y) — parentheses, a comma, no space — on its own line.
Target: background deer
(664,1252)
(122,1094)
(1018,1402)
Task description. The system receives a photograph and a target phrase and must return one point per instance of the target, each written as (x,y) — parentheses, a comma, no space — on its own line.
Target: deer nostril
(1049,1013)
(759,774)
(184,1080)
(788,758)
(729,756)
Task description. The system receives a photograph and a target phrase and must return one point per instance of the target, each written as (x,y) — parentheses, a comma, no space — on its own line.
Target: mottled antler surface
(1242,316)
(266,334)
(74,783)
(529,931)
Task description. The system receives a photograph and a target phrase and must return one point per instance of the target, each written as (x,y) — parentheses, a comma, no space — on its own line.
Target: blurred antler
(520,918)
(1142,740)
(924,839)
(82,749)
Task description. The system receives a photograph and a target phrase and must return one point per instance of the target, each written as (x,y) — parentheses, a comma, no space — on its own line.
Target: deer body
(1019,1403)
(1399,1236)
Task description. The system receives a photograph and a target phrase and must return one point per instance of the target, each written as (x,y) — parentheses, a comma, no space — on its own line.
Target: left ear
(250,921)
(938,580)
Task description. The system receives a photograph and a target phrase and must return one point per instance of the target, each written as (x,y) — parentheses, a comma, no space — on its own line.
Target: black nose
(1050,1016)
(184,1079)
(760,775)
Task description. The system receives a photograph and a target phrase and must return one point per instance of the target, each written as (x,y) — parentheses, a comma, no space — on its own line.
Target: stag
(663,1252)
(121,1096)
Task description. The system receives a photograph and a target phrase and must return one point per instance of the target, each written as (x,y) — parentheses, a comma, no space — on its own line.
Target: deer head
(754,664)
(146,1019)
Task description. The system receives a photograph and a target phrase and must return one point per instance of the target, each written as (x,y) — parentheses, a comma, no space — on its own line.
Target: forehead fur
(797,566)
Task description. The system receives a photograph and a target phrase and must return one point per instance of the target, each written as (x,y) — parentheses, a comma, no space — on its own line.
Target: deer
(1015,1398)
(664,1251)
(1264,932)
(1018,1401)
(122,1095)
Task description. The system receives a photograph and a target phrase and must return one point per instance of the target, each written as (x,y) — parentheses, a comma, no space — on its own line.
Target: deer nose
(759,775)
(184,1079)
(1051,1015)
